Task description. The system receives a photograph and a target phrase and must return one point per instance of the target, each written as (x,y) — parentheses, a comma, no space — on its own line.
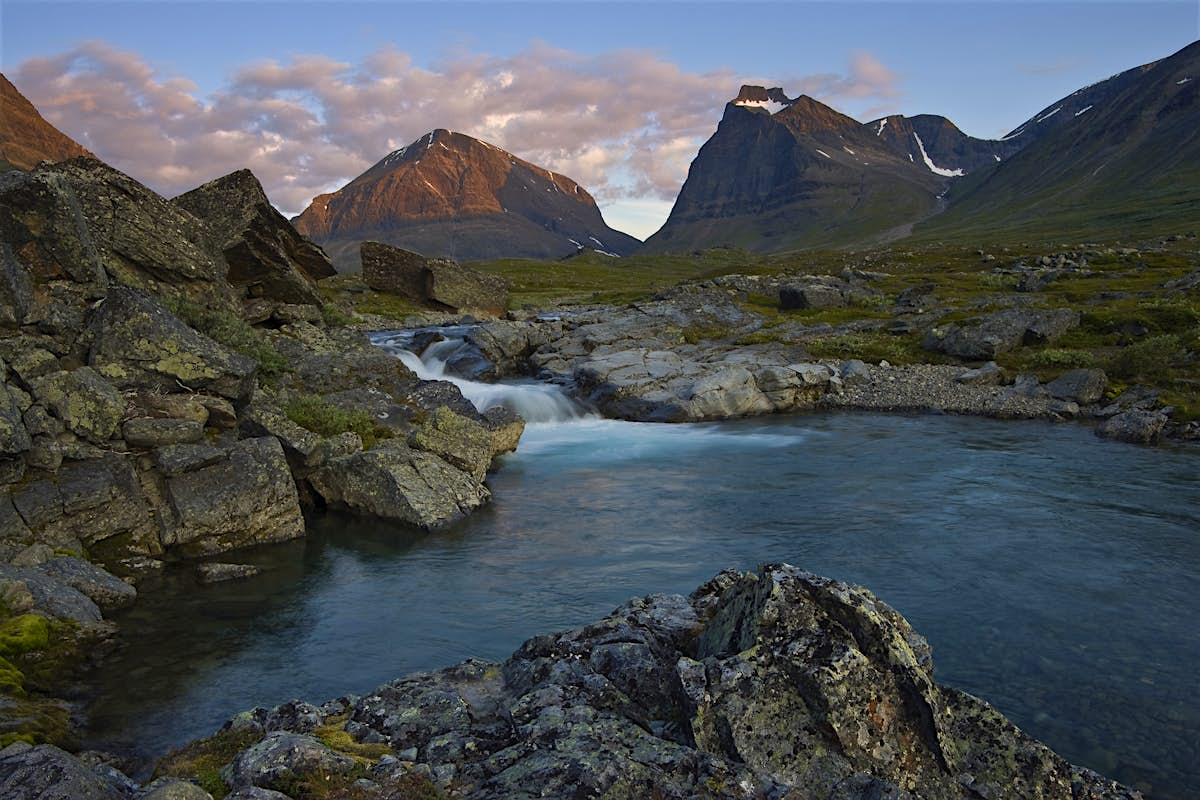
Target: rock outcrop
(265,255)
(778,684)
(438,282)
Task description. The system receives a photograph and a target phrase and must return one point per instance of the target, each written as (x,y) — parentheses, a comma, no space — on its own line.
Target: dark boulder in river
(775,684)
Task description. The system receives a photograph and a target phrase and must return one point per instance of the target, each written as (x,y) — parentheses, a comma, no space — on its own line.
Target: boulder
(396,482)
(280,756)
(246,499)
(88,405)
(99,503)
(1139,426)
(816,295)
(776,684)
(138,344)
(993,334)
(1083,386)
(192,407)
(45,772)
(990,374)
(265,255)
(457,440)
(50,596)
(434,281)
(172,789)
(505,427)
(104,589)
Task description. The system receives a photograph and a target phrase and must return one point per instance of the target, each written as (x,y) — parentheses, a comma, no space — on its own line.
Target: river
(1054,573)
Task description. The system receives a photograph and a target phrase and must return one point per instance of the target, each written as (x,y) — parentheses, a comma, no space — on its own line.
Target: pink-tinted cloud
(625,124)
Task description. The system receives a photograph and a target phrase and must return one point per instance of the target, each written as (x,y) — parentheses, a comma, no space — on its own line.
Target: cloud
(625,123)
(1061,65)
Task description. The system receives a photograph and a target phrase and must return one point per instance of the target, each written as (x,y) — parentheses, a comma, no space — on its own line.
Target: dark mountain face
(26,137)
(1120,157)
(937,143)
(782,173)
(450,195)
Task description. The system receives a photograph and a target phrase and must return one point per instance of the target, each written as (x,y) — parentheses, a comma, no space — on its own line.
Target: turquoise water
(1055,574)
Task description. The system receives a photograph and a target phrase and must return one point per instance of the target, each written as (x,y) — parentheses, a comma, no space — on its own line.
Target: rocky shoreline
(775,684)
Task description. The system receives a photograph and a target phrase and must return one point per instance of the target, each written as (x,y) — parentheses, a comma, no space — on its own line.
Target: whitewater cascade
(535,401)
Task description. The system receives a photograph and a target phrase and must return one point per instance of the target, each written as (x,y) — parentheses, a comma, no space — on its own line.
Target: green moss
(312,413)
(201,761)
(12,680)
(326,786)
(1064,359)
(24,633)
(35,719)
(334,735)
(385,305)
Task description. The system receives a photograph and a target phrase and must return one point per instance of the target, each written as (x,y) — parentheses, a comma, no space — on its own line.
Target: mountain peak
(808,115)
(770,100)
(449,194)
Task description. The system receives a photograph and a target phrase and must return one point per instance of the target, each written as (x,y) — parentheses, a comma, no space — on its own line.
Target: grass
(312,413)
(868,346)
(225,327)
(201,761)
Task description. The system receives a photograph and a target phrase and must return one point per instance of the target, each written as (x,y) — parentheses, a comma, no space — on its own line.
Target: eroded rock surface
(772,684)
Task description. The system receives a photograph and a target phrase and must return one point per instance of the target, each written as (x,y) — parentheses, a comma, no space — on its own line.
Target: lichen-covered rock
(138,344)
(172,789)
(50,596)
(45,772)
(505,428)
(266,256)
(396,482)
(218,572)
(105,589)
(14,437)
(99,503)
(247,498)
(156,432)
(775,684)
(458,440)
(87,404)
(281,756)
(176,459)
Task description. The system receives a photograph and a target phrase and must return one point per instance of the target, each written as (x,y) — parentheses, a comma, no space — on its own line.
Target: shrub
(1063,359)
(1148,359)
(312,413)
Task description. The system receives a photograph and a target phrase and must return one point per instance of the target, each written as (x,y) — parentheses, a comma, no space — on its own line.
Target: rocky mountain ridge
(450,195)
(26,137)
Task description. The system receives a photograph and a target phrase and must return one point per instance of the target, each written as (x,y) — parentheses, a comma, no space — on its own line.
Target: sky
(617,96)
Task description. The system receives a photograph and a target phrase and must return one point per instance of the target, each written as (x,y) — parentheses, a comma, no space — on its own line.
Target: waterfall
(535,401)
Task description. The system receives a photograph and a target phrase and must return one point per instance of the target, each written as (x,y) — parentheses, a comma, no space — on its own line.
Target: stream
(1054,573)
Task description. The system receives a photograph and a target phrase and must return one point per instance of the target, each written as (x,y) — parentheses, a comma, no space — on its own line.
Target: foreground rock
(769,685)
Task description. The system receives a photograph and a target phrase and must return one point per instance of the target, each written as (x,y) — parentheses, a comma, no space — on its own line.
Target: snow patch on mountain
(771,106)
(949,173)
(882,123)
(822,152)
(1182,82)
(1083,110)
(1051,114)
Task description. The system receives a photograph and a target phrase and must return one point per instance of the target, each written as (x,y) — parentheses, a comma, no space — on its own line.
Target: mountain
(783,173)
(450,195)
(26,137)
(937,143)
(1120,157)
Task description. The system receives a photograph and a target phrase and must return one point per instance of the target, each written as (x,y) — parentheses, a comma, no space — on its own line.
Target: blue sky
(618,96)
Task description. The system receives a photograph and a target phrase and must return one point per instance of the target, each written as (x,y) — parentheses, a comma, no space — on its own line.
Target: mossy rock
(24,633)
(202,760)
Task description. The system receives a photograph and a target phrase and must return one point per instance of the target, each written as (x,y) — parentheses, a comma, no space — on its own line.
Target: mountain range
(448,194)
(1120,157)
